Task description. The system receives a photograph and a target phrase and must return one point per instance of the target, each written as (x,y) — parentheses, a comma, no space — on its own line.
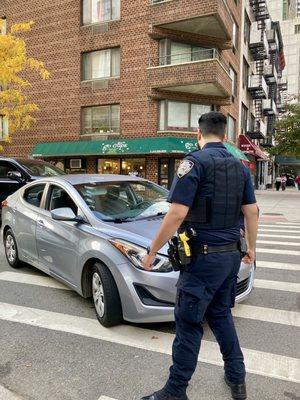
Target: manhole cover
(272,214)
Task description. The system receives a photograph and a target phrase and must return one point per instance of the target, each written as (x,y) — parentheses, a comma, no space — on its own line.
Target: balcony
(257,87)
(283,84)
(199,73)
(268,142)
(258,131)
(273,40)
(260,9)
(269,107)
(208,18)
(259,46)
(270,74)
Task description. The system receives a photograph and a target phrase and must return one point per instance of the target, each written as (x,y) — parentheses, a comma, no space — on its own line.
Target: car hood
(138,232)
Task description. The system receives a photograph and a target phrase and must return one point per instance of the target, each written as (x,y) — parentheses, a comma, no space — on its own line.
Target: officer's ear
(199,134)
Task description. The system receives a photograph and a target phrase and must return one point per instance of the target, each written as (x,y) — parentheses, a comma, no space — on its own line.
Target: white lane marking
(279,243)
(6,394)
(266,235)
(30,279)
(279,227)
(277,230)
(279,251)
(277,285)
(289,223)
(106,398)
(257,362)
(278,265)
(283,317)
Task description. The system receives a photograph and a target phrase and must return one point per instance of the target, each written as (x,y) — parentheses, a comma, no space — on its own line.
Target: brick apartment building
(128,80)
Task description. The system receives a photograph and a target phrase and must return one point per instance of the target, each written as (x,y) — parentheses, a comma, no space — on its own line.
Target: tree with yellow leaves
(14,61)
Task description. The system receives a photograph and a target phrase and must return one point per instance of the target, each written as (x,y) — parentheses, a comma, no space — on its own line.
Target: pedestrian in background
(210,190)
(278,183)
(297,181)
(283,182)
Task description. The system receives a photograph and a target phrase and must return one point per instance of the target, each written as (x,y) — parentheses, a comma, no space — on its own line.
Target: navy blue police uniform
(214,185)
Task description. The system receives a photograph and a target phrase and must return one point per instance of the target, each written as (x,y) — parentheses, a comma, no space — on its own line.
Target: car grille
(242,286)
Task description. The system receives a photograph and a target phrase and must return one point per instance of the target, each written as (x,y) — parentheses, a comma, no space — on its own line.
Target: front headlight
(136,253)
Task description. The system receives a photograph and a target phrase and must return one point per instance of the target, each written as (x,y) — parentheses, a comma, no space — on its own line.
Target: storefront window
(167,170)
(134,166)
(108,166)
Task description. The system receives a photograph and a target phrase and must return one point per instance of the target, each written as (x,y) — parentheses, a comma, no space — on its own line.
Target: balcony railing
(258,44)
(188,57)
(258,87)
(258,131)
(269,107)
(283,84)
(270,73)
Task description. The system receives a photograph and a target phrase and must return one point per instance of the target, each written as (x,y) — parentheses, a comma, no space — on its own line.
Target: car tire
(11,250)
(106,296)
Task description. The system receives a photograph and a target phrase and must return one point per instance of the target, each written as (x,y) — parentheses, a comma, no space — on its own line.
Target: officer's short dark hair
(213,123)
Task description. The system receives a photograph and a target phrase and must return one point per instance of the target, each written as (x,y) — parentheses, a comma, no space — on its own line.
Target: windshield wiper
(118,220)
(159,214)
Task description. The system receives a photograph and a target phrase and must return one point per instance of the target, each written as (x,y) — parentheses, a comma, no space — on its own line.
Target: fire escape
(258,87)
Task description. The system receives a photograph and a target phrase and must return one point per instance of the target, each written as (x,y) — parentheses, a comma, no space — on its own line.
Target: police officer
(208,194)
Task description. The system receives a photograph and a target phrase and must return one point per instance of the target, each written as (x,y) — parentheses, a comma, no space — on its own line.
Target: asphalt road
(52,347)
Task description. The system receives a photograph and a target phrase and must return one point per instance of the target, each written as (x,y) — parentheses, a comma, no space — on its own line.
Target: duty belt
(205,249)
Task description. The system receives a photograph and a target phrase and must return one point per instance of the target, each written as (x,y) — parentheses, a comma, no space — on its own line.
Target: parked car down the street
(15,173)
(91,232)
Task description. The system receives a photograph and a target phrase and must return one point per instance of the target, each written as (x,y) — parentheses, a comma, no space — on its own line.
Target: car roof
(22,160)
(78,179)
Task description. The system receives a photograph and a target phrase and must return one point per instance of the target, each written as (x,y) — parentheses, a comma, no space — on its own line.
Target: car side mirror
(65,214)
(15,176)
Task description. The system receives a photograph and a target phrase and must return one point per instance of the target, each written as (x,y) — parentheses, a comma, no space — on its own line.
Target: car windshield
(121,201)
(41,169)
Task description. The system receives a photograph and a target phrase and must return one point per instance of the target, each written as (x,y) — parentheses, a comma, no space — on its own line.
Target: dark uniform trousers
(206,290)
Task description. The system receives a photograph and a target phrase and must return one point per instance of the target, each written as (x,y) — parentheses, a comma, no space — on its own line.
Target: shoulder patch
(184,168)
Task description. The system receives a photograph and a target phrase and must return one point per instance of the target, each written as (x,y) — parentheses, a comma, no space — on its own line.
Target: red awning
(249,147)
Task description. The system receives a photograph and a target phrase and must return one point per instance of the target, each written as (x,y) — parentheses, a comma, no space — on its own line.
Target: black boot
(238,391)
(163,395)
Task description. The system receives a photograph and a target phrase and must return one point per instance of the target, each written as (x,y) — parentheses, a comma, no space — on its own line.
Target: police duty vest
(218,202)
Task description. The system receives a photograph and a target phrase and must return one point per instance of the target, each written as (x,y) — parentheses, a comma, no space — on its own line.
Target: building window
(297,29)
(247,28)
(97,11)
(3,127)
(100,119)
(286,4)
(233,76)
(3,26)
(176,115)
(244,119)
(231,129)
(246,69)
(101,64)
(178,53)
(235,37)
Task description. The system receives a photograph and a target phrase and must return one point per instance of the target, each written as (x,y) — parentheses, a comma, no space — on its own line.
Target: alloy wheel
(10,248)
(98,294)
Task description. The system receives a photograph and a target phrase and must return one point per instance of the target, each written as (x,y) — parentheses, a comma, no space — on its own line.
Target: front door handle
(40,222)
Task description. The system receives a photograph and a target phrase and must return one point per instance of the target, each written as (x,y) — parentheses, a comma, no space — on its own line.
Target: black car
(16,173)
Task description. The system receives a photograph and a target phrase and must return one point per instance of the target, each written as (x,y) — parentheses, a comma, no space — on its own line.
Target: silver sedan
(91,232)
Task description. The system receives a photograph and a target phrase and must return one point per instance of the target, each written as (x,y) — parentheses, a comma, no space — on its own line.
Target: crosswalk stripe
(106,398)
(277,230)
(257,362)
(278,251)
(277,285)
(278,236)
(289,223)
(267,315)
(279,226)
(278,265)
(279,243)
(31,279)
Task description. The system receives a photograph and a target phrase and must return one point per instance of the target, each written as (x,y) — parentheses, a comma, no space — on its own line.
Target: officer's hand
(148,262)
(249,257)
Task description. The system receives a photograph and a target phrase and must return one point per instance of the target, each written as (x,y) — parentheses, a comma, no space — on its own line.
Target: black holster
(243,246)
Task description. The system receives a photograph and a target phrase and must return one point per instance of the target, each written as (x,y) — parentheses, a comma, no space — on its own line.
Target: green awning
(287,160)
(151,145)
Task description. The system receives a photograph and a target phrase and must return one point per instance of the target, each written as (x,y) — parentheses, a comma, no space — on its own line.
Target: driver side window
(59,198)
(6,167)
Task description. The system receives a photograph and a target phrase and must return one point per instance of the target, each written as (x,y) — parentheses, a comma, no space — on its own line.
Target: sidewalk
(280,206)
